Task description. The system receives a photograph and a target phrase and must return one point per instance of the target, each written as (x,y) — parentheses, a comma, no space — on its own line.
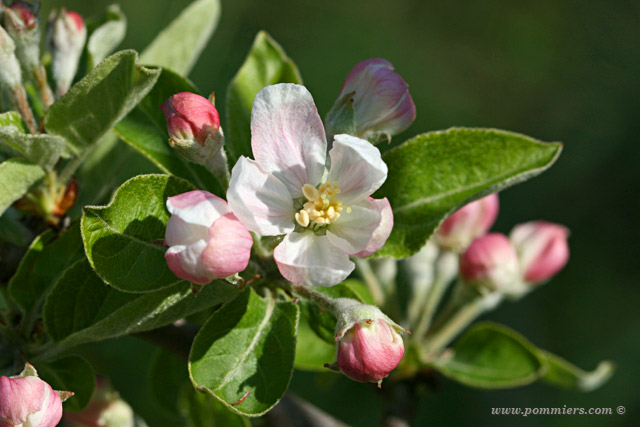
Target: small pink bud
(24,11)
(66,35)
(26,400)
(206,239)
(370,350)
(491,262)
(472,220)
(194,127)
(382,105)
(542,248)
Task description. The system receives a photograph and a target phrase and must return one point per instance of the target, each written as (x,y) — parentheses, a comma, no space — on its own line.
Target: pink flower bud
(542,248)
(491,262)
(24,12)
(206,239)
(194,127)
(370,350)
(382,105)
(472,220)
(29,401)
(66,35)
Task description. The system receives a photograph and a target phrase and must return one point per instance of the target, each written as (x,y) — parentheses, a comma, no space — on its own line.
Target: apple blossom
(379,99)
(26,400)
(325,217)
(472,220)
(491,262)
(194,127)
(542,248)
(206,239)
(66,35)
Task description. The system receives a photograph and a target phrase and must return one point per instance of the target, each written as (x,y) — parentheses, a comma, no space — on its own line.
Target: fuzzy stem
(20,100)
(40,77)
(374,285)
(321,300)
(219,167)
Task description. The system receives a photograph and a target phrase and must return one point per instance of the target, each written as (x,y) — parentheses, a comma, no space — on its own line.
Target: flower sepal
(341,117)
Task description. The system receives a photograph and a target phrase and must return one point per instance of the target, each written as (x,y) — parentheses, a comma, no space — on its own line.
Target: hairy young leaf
(244,353)
(12,118)
(98,101)
(491,356)
(16,177)
(432,175)
(145,130)
(42,149)
(42,265)
(123,240)
(81,308)
(566,375)
(106,36)
(266,64)
(178,46)
(70,373)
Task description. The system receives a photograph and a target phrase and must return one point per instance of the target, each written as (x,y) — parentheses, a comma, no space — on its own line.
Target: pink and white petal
(229,247)
(184,262)
(307,259)
(180,232)
(197,207)
(260,200)
(382,232)
(357,166)
(287,136)
(20,397)
(51,411)
(352,231)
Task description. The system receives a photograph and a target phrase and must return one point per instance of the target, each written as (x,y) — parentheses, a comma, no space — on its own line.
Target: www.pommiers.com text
(525,412)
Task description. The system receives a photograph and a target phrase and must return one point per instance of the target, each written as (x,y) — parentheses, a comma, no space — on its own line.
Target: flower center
(322,207)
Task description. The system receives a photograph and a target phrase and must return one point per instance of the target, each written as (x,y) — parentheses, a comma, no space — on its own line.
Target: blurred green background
(555,70)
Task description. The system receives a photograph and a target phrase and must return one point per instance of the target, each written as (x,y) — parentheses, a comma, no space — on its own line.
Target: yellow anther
(302,218)
(321,207)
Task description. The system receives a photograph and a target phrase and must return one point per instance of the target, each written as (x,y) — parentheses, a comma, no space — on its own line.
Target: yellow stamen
(321,208)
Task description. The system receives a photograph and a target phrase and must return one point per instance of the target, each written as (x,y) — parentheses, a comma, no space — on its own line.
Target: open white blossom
(286,190)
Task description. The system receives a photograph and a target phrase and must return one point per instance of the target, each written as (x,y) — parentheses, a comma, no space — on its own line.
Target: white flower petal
(180,232)
(307,259)
(287,136)
(259,200)
(382,232)
(352,231)
(357,167)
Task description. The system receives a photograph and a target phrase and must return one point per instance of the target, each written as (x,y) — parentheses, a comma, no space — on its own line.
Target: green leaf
(12,118)
(432,175)
(312,352)
(70,373)
(16,177)
(81,308)
(491,356)
(42,149)
(145,130)
(106,37)
(178,46)
(98,101)
(566,375)
(266,64)
(202,410)
(123,240)
(244,353)
(43,264)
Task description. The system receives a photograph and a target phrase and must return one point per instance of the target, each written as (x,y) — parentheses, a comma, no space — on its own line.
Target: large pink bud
(370,350)
(206,239)
(491,262)
(26,400)
(194,127)
(382,105)
(472,220)
(542,248)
